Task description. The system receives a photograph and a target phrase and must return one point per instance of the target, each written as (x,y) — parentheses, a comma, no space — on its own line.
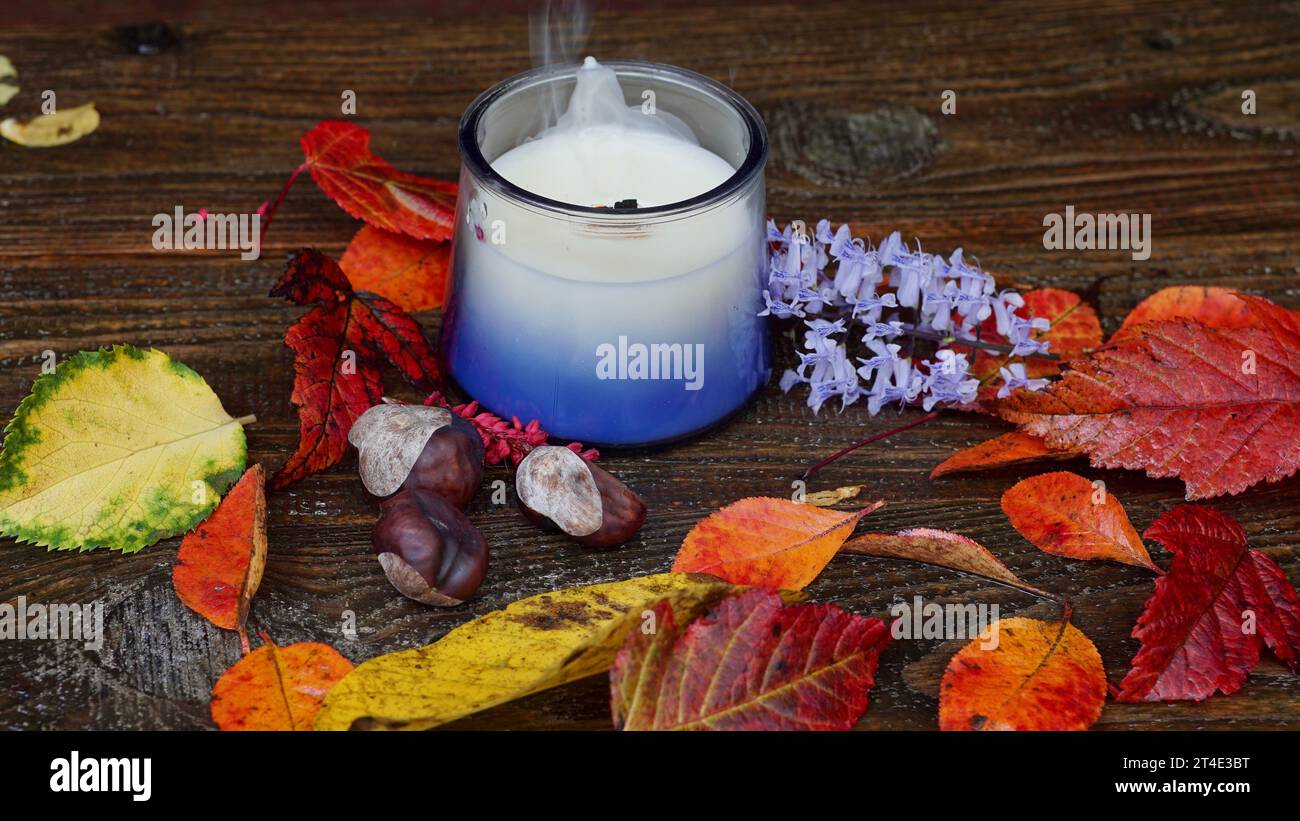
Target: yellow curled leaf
(827,498)
(47,130)
(533,644)
(8,80)
(116,448)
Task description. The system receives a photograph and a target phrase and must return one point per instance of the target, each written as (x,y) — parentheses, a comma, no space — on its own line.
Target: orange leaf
(410,272)
(277,688)
(1066,515)
(1039,676)
(766,541)
(1014,448)
(940,548)
(1216,307)
(220,563)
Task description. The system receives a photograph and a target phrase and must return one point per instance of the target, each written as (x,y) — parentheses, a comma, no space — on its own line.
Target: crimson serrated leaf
(1203,629)
(337,347)
(1217,407)
(391,331)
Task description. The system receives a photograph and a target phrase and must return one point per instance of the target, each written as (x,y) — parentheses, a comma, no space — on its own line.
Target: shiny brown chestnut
(451,463)
(429,550)
(556,486)
(418,447)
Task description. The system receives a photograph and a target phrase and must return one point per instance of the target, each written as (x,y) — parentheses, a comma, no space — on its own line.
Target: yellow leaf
(8,80)
(826,498)
(47,130)
(116,448)
(533,644)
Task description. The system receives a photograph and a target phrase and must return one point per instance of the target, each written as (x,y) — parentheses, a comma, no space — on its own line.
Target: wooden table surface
(1106,106)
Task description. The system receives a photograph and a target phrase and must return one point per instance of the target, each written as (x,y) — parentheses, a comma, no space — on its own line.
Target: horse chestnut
(557,486)
(450,464)
(429,550)
(418,447)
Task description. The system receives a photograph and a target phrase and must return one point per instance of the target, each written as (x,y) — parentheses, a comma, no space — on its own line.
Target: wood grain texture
(1107,106)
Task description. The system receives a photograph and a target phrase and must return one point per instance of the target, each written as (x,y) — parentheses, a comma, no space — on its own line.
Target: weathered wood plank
(1106,106)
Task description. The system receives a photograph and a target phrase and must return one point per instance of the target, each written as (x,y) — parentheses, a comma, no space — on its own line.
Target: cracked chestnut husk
(429,549)
(559,488)
(418,447)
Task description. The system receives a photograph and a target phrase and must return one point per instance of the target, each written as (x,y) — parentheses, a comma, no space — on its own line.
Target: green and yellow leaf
(116,448)
(533,644)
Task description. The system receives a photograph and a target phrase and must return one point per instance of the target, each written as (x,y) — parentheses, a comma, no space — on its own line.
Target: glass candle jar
(616,326)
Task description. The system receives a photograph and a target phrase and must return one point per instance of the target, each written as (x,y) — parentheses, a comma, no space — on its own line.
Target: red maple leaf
(750,664)
(367,187)
(1220,602)
(337,347)
(1217,407)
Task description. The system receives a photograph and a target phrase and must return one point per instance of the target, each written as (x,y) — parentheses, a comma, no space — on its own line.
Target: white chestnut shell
(557,483)
(389,439)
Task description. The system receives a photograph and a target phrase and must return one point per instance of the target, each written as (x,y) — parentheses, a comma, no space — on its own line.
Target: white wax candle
(603,151)
(542,298)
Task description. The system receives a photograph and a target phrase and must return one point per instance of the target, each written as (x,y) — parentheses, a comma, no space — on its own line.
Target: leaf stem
(269,213)
(873,438)
(247,420)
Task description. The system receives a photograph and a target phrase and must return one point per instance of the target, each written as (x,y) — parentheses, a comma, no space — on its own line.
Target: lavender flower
(948,380)
(924,292)
(1013,376)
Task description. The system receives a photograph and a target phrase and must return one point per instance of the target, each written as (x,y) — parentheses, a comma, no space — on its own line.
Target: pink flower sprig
(502,439)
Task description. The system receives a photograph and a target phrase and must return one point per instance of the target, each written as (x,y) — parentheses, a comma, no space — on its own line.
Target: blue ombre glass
(617,328)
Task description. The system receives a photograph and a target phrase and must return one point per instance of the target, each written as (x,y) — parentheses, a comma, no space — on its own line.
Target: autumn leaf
(337,347)
(767,541)
(828,498)
(1075,330)
(1220,602)
(1218,408)
(412,273)
(533,644)
(54,129)
(1066,515)
(1037,676)
(941,549)
(277,688)
(1014,448)
(368,188)
(750,664)
(220,563)
(1216,307)
(8,80)
(116,448)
